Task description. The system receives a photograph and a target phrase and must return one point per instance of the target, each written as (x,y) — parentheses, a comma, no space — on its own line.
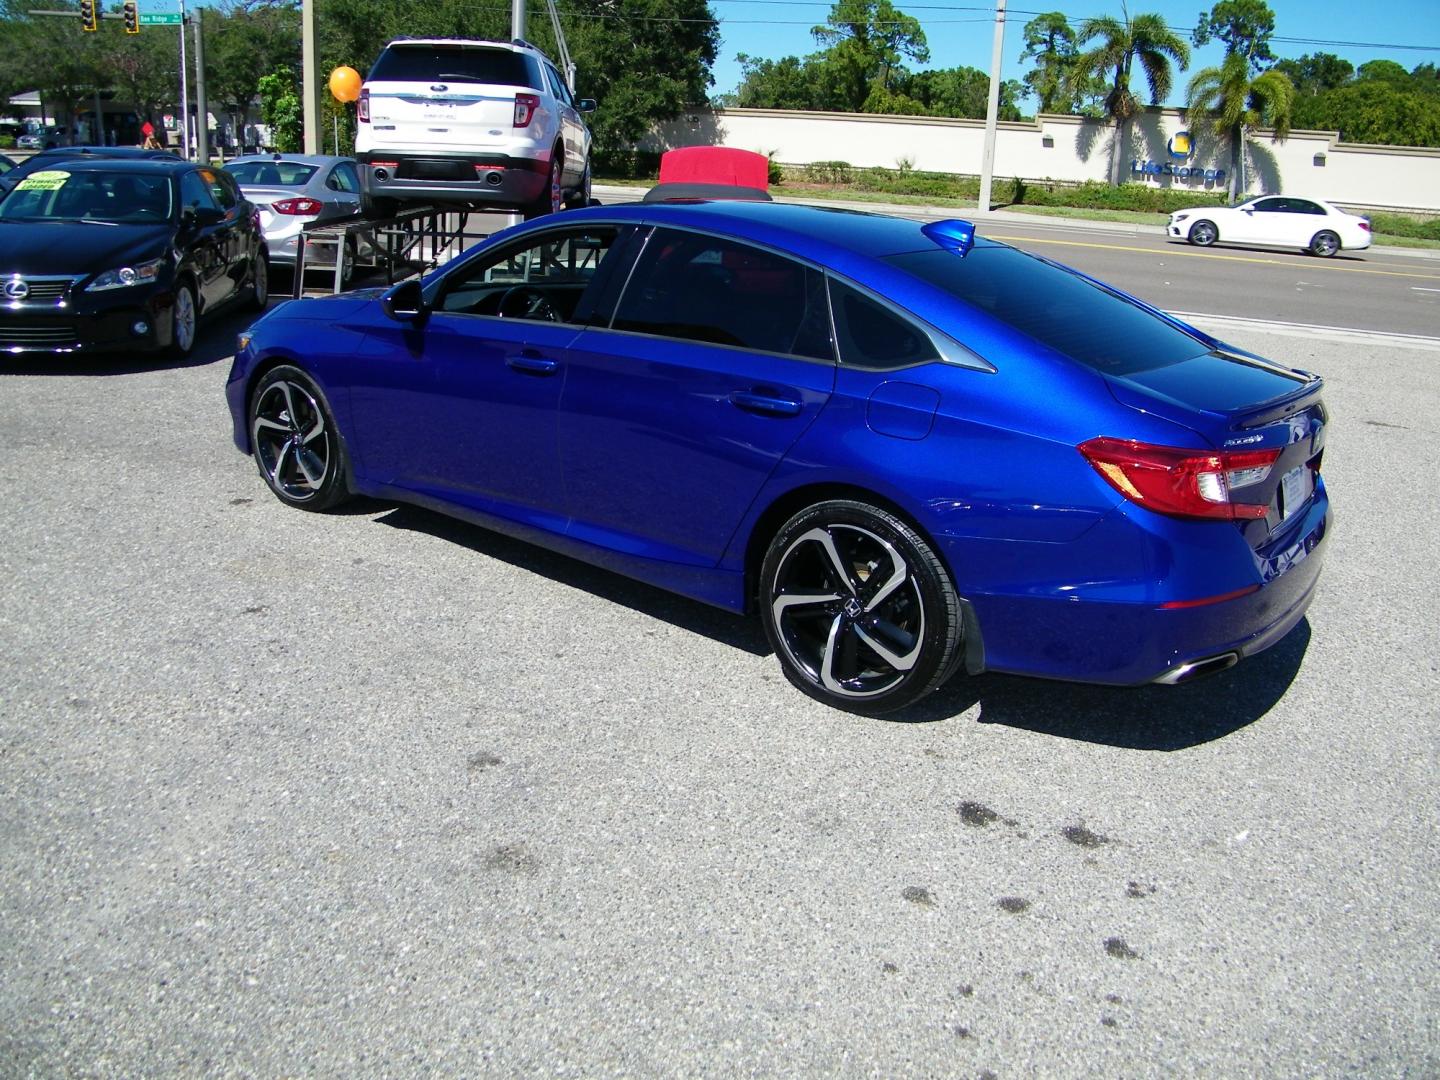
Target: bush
(1405,225)
(625,164)
(830,172)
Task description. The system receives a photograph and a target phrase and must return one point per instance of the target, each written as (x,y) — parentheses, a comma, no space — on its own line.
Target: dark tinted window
(542,279)
(195,193)
(222,188)
(1057,308)
(454,63)
(1270,206)
(703,288)
(870,335)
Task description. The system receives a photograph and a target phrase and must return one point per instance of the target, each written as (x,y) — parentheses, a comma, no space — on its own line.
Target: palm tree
(1235,105)
(1146,38)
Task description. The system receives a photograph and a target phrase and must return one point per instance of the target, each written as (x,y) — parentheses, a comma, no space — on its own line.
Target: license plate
(1294,490)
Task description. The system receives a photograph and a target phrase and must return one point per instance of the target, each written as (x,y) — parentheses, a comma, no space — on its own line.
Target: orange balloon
(345,83)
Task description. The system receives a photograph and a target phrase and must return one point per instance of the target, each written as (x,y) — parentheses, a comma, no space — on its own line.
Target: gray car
(295,190)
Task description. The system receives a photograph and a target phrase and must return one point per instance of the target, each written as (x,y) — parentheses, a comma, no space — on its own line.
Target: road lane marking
(1309,330)
(1180,252)
(1418,288)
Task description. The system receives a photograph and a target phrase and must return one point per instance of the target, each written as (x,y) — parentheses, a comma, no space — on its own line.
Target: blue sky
(957,36)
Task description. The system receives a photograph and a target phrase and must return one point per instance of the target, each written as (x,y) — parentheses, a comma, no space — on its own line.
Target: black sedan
(111,254)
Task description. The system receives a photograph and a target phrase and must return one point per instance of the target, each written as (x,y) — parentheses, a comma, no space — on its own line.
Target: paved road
(378,794)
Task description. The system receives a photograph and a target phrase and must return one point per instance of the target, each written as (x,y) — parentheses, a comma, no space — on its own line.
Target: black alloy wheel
(859,609)
(1325,244)
(295,442)
(1204,233)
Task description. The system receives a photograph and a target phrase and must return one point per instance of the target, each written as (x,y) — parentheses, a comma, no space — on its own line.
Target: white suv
(477,123)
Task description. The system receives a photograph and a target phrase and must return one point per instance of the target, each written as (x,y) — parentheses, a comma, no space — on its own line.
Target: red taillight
(525,106)
(362,107)
(297,207)
(1365,225)
(1180,482)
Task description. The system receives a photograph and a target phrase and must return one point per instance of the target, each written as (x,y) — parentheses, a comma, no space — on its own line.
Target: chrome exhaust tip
(1198,669)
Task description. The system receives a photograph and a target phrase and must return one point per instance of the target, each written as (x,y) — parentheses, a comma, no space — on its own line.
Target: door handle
(530,363)
(764,404)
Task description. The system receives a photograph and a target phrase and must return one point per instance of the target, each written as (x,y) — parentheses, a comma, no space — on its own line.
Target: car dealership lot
(383,793)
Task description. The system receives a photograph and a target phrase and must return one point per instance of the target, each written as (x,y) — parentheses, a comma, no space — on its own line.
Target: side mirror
(405,302)
(586,105)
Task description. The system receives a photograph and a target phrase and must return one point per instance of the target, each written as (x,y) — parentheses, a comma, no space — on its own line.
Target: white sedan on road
(1274,221)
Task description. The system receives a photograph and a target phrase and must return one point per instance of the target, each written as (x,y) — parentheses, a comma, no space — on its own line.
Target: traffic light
(88,15)
(132,17)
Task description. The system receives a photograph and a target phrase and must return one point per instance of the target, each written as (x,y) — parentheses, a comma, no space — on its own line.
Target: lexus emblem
(15,289)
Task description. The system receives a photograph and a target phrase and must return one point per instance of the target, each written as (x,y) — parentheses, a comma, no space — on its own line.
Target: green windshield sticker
(47,180)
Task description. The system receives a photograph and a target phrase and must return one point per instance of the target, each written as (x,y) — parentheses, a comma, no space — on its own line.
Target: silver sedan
(295,190)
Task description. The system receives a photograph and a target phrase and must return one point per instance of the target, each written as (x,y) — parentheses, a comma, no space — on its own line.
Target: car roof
(296,159)
(105,152)
(513,46)
(127,164)
(820,233)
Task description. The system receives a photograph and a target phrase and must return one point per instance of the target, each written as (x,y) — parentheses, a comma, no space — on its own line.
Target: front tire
(1204,233)
(1325,244)
(295,442)
(859,609)
(183,322)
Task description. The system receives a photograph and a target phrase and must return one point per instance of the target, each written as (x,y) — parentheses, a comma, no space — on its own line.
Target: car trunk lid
(1241,403)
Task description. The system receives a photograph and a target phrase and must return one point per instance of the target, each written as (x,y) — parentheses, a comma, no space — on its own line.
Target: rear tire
(259,282)
(580,197)
(1325,244)
(550,200)
(859,609)
(1204,233)
(184,322)
(375,207)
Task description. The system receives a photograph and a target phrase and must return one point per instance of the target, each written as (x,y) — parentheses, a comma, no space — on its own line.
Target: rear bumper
(1120,643)
(452,177)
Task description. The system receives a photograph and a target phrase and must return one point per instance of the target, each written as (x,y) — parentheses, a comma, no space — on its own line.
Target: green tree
(786,83)
(144,69)
(53,55)
(282,111)
(243,43)
(1245,26)
(1383,71)
(1235,103)
(1373,111)
(865,41)
(1146,40)
(963,92)
(1316,74)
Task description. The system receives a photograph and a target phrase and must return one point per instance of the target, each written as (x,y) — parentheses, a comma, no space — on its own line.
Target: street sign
(171,18)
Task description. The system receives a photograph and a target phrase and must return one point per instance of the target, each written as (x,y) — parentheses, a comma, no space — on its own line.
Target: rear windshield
(282,173)
(454,63)
(1055,307)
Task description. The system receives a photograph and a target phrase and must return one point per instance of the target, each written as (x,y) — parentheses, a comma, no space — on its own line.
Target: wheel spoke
(317,430)
(279,468)
(800,599)
(266,422)
(312,466)
(899,661)
(827,661)
(837,564)
(900,572)
(284,388)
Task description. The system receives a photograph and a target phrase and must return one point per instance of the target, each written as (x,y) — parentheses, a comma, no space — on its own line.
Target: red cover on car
(715,165)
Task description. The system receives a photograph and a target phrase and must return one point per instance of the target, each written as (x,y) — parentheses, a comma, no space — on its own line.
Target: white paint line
(1328,333)
(1417,288)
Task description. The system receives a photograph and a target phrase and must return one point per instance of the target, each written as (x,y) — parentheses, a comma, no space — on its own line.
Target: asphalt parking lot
(376,793)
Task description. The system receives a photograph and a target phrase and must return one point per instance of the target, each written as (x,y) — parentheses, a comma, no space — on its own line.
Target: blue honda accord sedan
(907,448)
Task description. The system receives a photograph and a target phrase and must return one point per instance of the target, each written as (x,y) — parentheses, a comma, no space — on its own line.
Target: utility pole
(992,110)
(517,18)
(184,90)
(202,125)
(311,104)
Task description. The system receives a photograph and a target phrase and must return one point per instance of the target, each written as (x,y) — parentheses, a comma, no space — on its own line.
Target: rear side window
(1056,307)
(454,63)
(872,336)
(704,288)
